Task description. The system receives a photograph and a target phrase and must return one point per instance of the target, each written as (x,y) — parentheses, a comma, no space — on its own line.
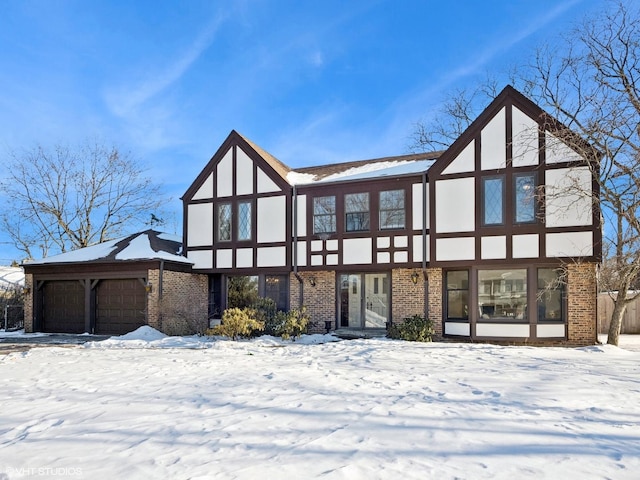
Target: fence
(630,321)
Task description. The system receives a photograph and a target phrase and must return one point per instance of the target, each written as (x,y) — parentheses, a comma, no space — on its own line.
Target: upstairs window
(493,200)
(224,222)
(356,206)
(524,187)
(244,221)
(324,214)
(392,213)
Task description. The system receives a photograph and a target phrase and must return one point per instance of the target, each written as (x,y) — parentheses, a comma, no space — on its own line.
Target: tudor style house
(497,238)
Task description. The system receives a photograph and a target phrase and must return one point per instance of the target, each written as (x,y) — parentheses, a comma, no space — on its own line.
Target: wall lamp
(415,277)
(312,281)
(148,287)
(26,290)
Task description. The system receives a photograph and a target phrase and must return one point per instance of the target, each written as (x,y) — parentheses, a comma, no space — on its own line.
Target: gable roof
(146,245)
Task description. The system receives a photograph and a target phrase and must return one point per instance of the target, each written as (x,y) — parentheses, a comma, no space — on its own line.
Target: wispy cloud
(125,99)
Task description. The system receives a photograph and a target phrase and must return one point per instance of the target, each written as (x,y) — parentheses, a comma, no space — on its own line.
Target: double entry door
(364,300)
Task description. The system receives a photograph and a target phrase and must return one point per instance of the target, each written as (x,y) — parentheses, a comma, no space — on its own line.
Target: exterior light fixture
(415,277)
(312,281)
(148,287)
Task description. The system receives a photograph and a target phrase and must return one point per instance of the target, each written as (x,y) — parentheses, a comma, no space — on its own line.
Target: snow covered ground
(149,406)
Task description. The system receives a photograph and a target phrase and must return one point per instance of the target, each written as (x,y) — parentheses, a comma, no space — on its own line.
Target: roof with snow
(412,164)
(11,277)
(147,245)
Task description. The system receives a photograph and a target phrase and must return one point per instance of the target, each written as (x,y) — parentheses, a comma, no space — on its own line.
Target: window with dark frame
(224,222)
(493,190)
(391,209)
(244,221)
(324,214)
(550,293)
(524,191)
(457,295)
(356,207)
(502,294)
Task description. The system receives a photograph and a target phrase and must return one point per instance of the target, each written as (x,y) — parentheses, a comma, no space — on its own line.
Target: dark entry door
(120,306)
(63,307)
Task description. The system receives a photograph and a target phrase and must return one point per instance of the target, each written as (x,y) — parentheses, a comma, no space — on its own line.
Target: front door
(364,300)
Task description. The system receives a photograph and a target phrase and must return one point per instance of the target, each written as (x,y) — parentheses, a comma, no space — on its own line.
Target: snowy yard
(364,409)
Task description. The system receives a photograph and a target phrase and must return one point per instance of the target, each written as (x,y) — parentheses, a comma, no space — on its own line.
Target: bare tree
(590,82)
(61,199)
(456,113)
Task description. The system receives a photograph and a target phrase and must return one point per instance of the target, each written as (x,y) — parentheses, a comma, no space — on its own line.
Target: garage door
(63,307)
(120,306)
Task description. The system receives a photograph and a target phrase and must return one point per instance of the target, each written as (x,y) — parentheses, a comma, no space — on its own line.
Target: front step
(353,333)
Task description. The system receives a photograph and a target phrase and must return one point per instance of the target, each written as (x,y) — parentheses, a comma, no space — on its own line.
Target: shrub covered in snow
(413,329)
(292,324)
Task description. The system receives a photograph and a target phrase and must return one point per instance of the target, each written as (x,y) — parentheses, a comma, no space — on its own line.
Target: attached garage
(63,306)
(121,305)
(112,288)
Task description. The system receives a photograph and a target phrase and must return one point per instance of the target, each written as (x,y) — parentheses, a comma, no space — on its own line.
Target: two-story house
(496,238)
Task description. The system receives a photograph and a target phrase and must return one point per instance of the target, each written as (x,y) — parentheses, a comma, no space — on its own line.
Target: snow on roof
(147,245)
(11,277)
(364,169)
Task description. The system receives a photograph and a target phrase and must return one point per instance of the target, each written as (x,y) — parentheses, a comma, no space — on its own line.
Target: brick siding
(582,307)
(407,299)
(320,300)
(28,303)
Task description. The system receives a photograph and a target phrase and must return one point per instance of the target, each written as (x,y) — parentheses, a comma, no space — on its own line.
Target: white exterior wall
(271,219)
(568,197)
(244,173)
(455,205)
(464,162)
(224,175)
(569,244)
(265,184)
(448,249)
(200,225)
(357,251)
(206,189)
(201,259)
(525,139)
(493,143)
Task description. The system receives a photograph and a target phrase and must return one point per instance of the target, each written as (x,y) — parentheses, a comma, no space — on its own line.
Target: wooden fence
(630,322)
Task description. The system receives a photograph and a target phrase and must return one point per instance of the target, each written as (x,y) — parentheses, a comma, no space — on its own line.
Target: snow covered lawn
(144,407)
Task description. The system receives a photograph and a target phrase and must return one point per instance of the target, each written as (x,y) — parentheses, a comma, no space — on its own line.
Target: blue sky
(311,82)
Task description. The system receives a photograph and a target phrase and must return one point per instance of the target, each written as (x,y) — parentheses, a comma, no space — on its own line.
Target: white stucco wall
(464,162)
(455,205)
(200,225)
(525,134)
(568,197)
(493,143)
(272,222)
(244,173)
(206,189)
(224,175)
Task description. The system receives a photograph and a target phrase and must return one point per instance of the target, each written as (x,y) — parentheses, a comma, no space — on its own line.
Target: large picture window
(356,206)
(524,188)
(458,295)
(224,222)
(392,213)
(324,214)
(502,294)
(493,200)
(550,292)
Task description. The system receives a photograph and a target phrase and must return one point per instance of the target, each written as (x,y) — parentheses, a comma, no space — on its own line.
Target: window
(324,214)
(244,221)
(458,295)
(550,292)
(392,209)
(242,291)
(276,288)
(224,222)
(524,187)
(493,200)
(356,206)
(502,294)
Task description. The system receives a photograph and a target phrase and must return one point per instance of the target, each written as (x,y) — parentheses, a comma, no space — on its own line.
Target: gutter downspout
(295,246)
(424,245)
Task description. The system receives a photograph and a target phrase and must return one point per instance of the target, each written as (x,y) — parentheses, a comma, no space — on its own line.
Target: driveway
(19,343)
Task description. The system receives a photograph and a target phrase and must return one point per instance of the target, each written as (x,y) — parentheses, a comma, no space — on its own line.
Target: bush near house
(413,329)
(237,323)
(262,318)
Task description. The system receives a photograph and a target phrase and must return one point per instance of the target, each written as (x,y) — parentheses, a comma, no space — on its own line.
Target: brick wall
(183,308)
(28,303)
(582,309)
(435,299)
(407,299)
(320,299)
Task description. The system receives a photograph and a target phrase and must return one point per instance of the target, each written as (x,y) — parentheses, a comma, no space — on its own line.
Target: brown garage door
(63,307)
(120,306)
